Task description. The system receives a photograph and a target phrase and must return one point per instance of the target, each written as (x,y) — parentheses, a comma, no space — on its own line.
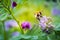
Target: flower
(15,34)
(25,25)
(43,19)
(45,22)
(9,24)
(14,4)
(50,25)
(55,11)
(43,25)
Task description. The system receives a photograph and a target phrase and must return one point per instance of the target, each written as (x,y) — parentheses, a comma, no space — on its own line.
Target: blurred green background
(24,11)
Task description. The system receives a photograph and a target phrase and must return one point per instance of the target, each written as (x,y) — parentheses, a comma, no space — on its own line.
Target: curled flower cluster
(44,22)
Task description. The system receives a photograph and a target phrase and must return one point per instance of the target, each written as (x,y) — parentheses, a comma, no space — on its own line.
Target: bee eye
(38,15)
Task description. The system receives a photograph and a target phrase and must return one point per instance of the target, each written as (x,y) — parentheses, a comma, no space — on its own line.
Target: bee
(38,15)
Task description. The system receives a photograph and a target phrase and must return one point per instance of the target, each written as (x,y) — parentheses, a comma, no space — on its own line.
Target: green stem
(14,18)
(48,38)
(17,21)
(4,32)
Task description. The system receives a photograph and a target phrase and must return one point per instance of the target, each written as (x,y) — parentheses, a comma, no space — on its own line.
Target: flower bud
(14,4)
(26,25)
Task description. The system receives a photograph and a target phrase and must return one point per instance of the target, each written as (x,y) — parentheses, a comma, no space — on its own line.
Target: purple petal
(14,4)
(25,25)
(43,19)
(56,11)
(10,24)
(15,34)
(43,25)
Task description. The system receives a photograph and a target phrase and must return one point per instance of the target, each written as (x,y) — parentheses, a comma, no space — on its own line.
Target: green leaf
(41,37)
(7,3)
(26,37)
(21,37)
(57,28)
(1,28)
(3,16)
(1,37)
(34,38)
(16,37)
(33,31)
(48,38)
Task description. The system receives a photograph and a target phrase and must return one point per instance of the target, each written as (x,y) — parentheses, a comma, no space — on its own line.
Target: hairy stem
(14,18)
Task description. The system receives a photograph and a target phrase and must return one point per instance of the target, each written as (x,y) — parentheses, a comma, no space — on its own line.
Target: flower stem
(16,21)
(14,18)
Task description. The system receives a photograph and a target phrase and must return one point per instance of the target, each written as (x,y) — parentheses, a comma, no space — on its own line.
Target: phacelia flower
(26,25)
(43,25)
(45,22)
(43,19)
(15,34)
(55,11)
(14,4)
(9,24)
(50,25)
